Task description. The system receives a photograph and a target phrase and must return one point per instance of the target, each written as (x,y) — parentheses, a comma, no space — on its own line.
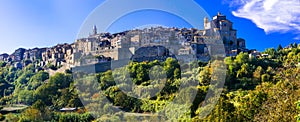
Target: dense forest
(265,88)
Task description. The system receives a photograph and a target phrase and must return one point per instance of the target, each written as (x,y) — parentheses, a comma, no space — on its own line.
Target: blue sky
(44,23)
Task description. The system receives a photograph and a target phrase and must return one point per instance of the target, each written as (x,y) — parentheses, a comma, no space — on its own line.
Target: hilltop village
(155,43)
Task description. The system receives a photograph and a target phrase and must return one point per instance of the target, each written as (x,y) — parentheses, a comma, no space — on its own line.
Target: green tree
(271,52)
(295,45)
(1,116)
(298,109)
(37,80)
(2,64)
(205,76)
(12,117)
(242,58)
(106,80)
(30,115)
(258,72)
(44,109)
(244,71)
(265,77)
(279,47)
(51,91)
(170,66)
(26,97)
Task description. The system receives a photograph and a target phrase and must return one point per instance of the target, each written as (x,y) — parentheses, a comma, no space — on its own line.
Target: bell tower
(206,23)
(94,30)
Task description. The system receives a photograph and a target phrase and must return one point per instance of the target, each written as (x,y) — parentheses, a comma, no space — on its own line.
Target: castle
(224,27)
(104,47)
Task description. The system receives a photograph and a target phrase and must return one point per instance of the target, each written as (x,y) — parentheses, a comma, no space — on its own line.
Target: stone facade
(34,54)
(18,55)
(61,53)
(228,34)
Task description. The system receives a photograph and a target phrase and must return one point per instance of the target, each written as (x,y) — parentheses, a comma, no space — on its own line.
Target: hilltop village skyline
(44,26)
(106,47)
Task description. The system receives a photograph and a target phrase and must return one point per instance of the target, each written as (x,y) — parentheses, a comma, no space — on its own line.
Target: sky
(45,23)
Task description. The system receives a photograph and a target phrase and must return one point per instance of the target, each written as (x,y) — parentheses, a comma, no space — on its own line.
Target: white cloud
(268,4)
(270,15)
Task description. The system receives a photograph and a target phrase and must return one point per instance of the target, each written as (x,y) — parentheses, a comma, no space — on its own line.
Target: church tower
(94,30)
(206,23)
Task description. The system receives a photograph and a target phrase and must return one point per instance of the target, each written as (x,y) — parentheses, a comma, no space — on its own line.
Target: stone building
(224,28)
(4,57)
(241,44)
(34,54)
(135,40)
(120,40)
(57,55)
(18,55)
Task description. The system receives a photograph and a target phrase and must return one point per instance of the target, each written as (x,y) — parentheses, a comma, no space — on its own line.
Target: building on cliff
(105,47)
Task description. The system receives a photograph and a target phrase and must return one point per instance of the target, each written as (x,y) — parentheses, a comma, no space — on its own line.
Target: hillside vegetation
(256,89)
